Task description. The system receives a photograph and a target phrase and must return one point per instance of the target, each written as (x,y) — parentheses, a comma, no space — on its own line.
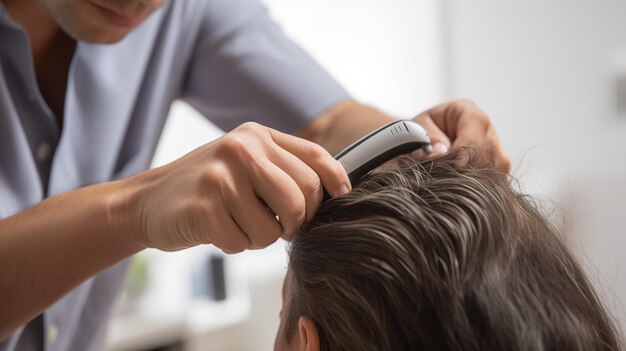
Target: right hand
(229,192)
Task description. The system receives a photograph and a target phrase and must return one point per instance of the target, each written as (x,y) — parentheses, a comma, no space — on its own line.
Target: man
(74,113)
(434,255)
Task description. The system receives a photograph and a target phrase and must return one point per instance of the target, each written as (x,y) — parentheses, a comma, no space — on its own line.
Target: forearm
(51,248)
(343,124)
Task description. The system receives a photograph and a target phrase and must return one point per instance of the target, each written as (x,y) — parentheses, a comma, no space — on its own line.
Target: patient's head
(435,255)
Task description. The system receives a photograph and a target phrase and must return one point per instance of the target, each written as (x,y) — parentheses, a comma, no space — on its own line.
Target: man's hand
(229,192)
(461,123)
(451,125)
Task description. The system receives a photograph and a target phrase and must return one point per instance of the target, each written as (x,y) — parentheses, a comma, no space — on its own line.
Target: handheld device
(389,141)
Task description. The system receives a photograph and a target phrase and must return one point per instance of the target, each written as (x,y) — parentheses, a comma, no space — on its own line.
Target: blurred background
(552,76)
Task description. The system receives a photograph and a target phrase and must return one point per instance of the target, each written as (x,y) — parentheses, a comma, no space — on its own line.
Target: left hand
(460,123)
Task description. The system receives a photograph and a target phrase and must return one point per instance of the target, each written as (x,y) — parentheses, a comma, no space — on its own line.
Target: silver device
(389,141)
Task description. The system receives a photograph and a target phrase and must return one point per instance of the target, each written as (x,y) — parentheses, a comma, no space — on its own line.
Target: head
(437,255)
(100,21)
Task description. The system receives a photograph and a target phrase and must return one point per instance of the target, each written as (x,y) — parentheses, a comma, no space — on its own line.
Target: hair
(441,254)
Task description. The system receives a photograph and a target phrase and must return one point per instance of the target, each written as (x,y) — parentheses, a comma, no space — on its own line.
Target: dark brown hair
(441,255)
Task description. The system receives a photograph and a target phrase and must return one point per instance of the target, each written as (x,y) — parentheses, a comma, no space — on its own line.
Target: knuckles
(315,152)
(483,118)
(295,214)
(318,155)
(214,178)
(469,106)
(236,146)
(466,103)
(297,205)
(310,185)
(243,146)
(250,126)
(504,162)
(235,246)
(240,150)
(264,239)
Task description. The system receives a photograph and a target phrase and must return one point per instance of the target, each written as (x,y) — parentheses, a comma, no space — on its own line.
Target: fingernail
(428,149)
(440,148)
(343,190)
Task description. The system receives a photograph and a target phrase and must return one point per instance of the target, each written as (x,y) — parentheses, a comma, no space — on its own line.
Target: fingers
(463,123)
(308,181)
(243,190)
(256,221)
(284,176)
(471,129)
(282,195)
(501,158)
(227,235)
(478,132)
(333,175)
(440,143)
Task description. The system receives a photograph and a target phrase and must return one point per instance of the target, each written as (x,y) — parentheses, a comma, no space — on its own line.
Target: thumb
(439,141)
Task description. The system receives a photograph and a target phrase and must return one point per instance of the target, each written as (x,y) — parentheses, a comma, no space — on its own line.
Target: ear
(309,338)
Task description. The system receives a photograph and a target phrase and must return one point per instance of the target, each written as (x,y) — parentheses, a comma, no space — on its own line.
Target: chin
(90,24)
(102,36)
(96,33)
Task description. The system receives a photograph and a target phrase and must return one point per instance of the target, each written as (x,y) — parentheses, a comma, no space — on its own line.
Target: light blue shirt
(225,57)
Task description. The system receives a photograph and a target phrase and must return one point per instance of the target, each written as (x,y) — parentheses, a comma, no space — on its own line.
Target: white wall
(386,53)
(546,71)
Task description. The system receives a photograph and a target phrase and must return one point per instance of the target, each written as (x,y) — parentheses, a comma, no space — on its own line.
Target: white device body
(394,139)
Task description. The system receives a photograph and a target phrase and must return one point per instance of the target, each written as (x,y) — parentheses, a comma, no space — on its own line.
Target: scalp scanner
(383,144)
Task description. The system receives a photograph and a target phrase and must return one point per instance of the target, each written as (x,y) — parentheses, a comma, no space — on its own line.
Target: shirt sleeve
(244,68)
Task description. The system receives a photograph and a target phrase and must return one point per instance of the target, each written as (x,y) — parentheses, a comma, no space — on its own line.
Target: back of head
(442,256)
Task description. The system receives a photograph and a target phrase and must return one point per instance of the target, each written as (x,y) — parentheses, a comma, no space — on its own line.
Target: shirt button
(53,333)
(43,152)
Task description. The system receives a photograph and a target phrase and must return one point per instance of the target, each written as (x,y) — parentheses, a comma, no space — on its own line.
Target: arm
(342,124)
(49,249)
(226,193)
(451,125)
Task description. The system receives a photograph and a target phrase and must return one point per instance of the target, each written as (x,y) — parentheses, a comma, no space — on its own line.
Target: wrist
(121,207)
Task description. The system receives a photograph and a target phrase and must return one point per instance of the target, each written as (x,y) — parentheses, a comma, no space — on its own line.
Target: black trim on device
(382,158)
(368,166)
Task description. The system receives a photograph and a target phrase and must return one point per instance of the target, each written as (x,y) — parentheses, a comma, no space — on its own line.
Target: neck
(42,29)
(51,47)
